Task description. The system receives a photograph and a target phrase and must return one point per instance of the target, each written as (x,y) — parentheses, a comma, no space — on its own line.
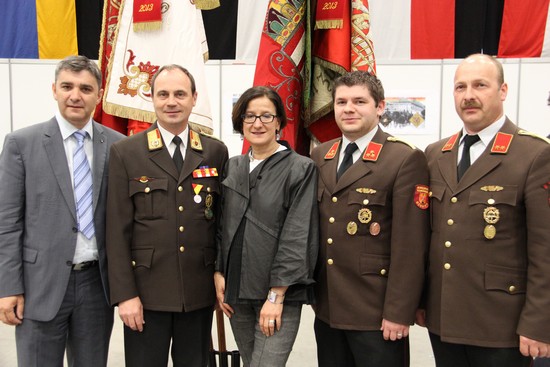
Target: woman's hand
(219,282)
(270,317)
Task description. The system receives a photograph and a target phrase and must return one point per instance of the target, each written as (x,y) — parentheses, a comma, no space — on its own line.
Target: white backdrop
(26,97)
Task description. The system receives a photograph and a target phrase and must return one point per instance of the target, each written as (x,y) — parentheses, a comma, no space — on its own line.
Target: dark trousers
(82,326)
(188,332)
(541,362)
(347,348)
(461,355)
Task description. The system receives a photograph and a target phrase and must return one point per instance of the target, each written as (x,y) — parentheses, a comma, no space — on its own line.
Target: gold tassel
(147,26)
(329,24)
(207,4)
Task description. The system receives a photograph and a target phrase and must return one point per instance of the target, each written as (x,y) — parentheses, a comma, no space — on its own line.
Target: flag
(448,29)
(281,60)
(525,29)
(345,46)
(130,58)
(50,29)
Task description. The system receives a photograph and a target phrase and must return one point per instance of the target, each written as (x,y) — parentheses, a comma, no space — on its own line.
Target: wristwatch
(272,297)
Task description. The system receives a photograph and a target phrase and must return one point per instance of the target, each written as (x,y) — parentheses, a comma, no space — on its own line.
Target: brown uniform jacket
(371,268)
(485,291)
(160,239)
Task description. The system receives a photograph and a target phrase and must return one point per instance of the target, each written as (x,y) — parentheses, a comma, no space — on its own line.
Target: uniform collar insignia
(372,152)
(450,143)
(501,143)
(195,140)
(154,140)
(332,151)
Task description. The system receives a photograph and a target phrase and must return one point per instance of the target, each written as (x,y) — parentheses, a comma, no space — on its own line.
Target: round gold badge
(489,232)
(352,228)
(364,215)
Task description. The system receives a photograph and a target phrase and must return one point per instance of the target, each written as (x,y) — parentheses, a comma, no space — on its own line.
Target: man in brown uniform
(164,189)
(373,203)
(489,281)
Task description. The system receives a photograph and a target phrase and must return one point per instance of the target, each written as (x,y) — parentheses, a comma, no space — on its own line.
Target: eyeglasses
(266,118)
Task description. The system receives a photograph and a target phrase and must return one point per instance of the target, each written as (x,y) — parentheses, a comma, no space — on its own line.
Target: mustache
(470,104)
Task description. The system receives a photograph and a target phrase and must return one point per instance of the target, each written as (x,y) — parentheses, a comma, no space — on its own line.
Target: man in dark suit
(165,186)
(373,203)
(488,292)
(53,271)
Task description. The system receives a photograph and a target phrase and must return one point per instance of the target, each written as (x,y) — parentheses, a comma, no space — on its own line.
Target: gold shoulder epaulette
(393,139)
(528,133)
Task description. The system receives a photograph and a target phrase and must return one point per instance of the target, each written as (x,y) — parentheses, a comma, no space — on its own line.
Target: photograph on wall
(409,112)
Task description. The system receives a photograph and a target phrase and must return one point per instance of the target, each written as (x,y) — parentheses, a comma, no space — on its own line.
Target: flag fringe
(207,4)
(129,113)
(201,128)
(147,26)
(329,24)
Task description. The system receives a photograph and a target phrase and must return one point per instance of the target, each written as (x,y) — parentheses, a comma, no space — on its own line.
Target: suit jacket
(486,291)
(279,204)
(161,236)
(38,223)
(374,234)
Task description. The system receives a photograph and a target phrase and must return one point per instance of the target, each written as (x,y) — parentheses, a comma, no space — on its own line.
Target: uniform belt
(85,265)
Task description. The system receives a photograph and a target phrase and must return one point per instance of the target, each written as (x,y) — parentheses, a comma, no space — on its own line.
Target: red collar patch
(450,143)
(501,143)
(372,152)
(332,151)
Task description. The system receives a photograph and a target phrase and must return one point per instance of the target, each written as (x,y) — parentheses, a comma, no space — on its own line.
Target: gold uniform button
(447,244)
(511,289)
(491,201)
(430,194)
(181,228)
(182,248)
(329,241)
(180,208)
(331,220)
(208,189)
(180,189)
(147,190)
(450,222)
(447,266)
(330,261)
(454,199)
(366,202)
(133,263)
(383,272)
(334,199)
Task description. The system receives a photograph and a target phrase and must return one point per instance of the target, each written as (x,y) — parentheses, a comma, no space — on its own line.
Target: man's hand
(529,347)
(11,309)
(131,313)
(393,331)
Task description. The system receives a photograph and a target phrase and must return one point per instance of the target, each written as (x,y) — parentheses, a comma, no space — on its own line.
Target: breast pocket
(150,198)
(436,197)
(494,213)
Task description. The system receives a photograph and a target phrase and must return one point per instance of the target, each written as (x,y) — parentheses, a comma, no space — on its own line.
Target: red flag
(280,62)
(432,29)
(523,28)
(336,51)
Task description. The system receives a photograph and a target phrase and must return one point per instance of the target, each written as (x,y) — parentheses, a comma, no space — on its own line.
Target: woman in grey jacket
(268,235)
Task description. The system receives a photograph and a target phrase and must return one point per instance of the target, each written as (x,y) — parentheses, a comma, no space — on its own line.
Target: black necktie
(464,163)
(348,159)
(177,157)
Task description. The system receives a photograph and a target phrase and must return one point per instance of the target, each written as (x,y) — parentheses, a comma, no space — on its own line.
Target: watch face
(272,296)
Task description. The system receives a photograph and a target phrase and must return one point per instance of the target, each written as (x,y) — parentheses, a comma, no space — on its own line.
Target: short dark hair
(241,105)
(358,77)
(173,67)
(77,64)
